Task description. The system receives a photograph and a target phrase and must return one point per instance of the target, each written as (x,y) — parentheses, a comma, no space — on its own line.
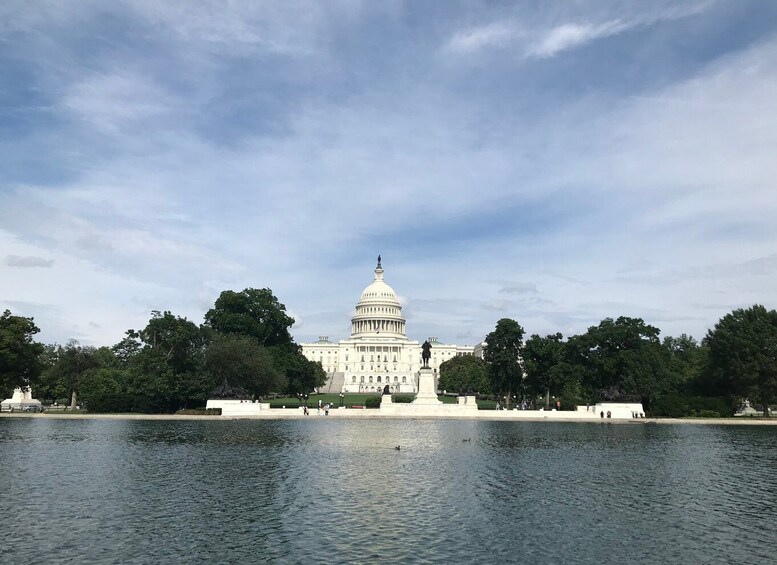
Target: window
(370,378)
(362,380)
(395,379)
(378,378)
(354,379)
(404,379)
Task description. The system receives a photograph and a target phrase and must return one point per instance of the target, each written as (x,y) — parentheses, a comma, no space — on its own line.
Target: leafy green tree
(503,357)
(620,360)
(252,312)
(302,375)
(67,369)
(546,370)
(50,385)
(743,351)
(20,355)
(166,362)
(241,362)
(686,362)
(464,373)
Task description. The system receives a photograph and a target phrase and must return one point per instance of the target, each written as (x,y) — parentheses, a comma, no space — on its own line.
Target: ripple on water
(146,491)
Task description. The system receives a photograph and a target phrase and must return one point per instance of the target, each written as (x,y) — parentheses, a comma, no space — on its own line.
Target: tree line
(624,359)
(242,349)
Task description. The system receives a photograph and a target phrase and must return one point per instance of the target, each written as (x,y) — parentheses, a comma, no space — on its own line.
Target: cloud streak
(27,262)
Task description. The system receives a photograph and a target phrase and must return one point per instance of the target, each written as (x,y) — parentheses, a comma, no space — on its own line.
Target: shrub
(372,402)
(676,406)
(671,405)
(119,402)
(199,412)
(402,398)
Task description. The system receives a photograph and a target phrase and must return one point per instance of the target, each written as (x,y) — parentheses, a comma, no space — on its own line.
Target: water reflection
(457,491)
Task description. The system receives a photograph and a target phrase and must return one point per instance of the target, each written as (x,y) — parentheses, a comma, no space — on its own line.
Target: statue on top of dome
(379,267)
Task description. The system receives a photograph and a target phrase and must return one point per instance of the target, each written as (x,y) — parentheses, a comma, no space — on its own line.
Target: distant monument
(21,400)
(427,393)
(746,410)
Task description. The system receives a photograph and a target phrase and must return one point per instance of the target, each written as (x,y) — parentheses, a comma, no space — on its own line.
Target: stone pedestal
(427,394)
(22,400)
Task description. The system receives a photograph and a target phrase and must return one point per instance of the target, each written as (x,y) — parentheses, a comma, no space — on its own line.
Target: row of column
(364,326)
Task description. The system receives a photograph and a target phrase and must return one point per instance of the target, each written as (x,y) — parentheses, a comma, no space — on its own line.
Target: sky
(552,162)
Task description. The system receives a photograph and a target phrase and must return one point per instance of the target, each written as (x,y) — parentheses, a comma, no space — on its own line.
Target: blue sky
(552,162)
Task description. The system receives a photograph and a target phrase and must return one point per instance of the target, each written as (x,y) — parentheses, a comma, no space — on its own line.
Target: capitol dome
(378,310)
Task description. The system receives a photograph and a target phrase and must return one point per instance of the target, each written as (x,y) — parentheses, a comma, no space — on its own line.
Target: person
(609,414)
(601,414)
(558,405)
(497,405)
(326,409)
(305,410)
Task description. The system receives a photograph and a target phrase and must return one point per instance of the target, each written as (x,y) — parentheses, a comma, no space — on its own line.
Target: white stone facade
(378,352)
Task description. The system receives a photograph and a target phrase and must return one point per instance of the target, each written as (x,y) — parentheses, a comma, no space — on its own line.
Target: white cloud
(109,102)
(568,36)
(25,262)
(475,39)
(543,39)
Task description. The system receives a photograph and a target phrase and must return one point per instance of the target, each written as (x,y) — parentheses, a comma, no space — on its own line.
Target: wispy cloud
(544,41)
(25,262)
(568,36)
(491,35)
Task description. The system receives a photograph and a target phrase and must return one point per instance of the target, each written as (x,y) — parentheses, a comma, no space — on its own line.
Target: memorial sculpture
(21,400)
(426,353)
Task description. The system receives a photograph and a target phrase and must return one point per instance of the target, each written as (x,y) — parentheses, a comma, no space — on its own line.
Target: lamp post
(306,400)
(342,400)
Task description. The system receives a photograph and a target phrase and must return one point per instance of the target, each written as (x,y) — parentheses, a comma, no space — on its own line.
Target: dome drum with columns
(378,353)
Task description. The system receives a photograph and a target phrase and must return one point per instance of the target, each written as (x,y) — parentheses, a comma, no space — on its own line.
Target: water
(94,491)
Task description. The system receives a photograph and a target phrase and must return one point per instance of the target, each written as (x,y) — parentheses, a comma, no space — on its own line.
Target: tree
(503,356)
(166,361)
(302,375)
(686,363)
(620,360)
(252,312)
(67,368)
(545,368)
(241,362)
(743,351)
(464,373)
(20,363)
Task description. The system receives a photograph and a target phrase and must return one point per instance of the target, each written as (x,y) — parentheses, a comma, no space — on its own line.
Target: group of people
(321,406)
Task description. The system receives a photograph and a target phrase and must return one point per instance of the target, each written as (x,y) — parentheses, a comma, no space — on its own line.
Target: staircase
(334,383)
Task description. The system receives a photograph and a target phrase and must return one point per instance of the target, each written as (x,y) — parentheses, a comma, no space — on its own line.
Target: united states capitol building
(378,352)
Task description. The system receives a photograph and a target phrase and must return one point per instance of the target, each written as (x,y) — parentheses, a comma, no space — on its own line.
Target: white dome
(378,309)
(379,291)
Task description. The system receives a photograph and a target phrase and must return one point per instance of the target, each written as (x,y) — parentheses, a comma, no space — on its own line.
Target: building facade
(378,352)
